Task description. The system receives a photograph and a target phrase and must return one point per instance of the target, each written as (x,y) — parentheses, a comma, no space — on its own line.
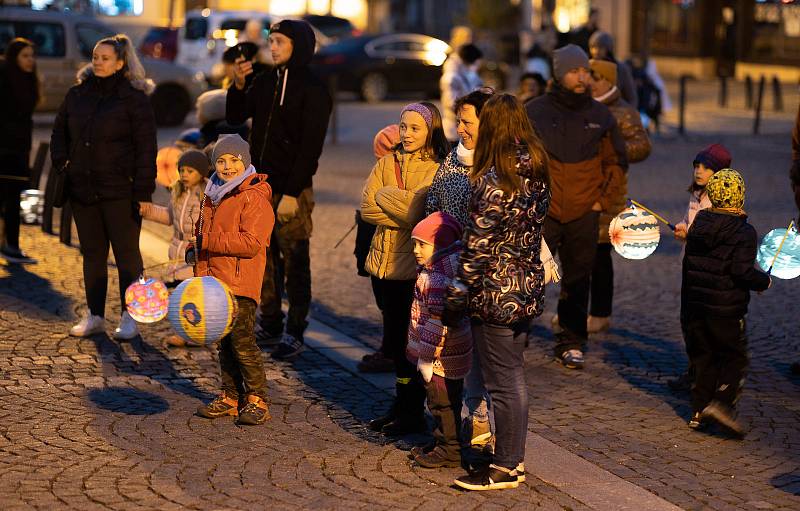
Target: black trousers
(395,296)
(718,352)
(575,243)
(288,261)
(116,222)
(602,282)
(444,402)
(240,361)
(9,206)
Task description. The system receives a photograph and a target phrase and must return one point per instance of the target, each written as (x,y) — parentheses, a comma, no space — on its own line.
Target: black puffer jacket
(299,104)
(106,129)
(718,267)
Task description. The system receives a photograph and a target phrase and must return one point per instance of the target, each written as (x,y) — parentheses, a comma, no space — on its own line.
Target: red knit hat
(439,229)
(715,157)
(385,140)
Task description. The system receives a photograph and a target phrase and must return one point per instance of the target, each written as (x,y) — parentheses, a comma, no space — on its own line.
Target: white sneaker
(127,328)
(89,325)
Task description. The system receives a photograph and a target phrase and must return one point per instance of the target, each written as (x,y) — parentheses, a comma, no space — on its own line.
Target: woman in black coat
(105,138)
(19,94)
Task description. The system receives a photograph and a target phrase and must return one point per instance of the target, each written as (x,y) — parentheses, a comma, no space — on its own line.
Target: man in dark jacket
(290,108)
(587,159)
(794,175)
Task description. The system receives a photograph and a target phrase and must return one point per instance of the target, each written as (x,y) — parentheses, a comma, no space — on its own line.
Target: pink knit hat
(385,140)
(439,229)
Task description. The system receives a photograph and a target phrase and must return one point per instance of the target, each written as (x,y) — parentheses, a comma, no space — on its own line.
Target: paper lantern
(787,265)
(634,233)
(167,165)
(147,300)
(202,310)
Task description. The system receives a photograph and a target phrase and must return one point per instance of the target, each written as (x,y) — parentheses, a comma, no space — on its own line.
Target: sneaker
(520,472)
(266,338)
(682,383)
(436,458)
(289,347)
(376,363)
(89,325)
(555,325)
(572,359)
(15,255)
(127,328)
(419,450)
(481,433)
(697,422)
(221,406)
(254,412)
(489,478)
(723,415)
(402,426)
(596,324)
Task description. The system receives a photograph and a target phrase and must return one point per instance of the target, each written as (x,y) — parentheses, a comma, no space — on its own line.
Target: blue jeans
(501,350)
(475,396)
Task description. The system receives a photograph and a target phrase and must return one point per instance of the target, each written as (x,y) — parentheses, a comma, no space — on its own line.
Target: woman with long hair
(19,95)
(105,138)
(500,282)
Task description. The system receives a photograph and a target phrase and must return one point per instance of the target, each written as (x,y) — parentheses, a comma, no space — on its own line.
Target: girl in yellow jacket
(394,200)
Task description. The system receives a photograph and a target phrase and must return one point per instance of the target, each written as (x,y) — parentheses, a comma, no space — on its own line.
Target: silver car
(64,43)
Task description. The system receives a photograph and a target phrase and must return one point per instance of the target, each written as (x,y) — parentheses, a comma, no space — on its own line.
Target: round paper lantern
(202,310)
(787,265)
(634,233)
(147,300)
(167,165)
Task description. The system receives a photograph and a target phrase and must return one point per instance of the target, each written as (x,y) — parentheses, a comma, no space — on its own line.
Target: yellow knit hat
(726,189)
(604,69)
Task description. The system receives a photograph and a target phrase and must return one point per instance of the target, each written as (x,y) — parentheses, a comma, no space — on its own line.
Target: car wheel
(374,88)
(170,103)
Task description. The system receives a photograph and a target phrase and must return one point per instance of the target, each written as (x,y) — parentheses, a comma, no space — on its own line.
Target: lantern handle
(658,217)
(780,247)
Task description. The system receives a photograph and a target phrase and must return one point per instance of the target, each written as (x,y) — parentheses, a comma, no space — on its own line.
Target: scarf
(464,155)
(607,95)
(568,98)
(217,189)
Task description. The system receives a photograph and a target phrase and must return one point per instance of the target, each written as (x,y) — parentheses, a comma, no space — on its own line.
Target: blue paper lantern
(202,310)
(634,233)
(787,265)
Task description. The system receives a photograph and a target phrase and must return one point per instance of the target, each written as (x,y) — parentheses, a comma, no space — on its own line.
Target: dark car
(160,43)
(333,27)
(375,66)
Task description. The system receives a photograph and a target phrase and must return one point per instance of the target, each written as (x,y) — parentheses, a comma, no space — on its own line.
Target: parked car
(160,43)
(375,66)
(64,43)
(333,27)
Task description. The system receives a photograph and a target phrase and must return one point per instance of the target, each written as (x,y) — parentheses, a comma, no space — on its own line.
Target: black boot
(410,408)
(378,423)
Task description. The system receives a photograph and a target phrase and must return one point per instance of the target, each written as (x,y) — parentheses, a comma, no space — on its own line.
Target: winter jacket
(106,129)
(627,87)
(718,271)
(587,153)
(697,201)
(295,105)
(457,80)
(395,211)
(182,214)
(500,276)
(235,235)
(449,349)
(18,98)
(450,190)
(637,148)
(794,172)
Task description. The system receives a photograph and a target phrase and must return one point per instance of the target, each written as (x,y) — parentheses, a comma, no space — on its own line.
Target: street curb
(569,473)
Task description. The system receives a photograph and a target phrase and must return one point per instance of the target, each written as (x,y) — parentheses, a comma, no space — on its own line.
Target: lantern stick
(780,247)
(165,263)
(658,217)
(345,236)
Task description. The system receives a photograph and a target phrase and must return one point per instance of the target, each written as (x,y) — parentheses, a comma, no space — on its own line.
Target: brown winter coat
(395,212)
(637,148)
(235,235)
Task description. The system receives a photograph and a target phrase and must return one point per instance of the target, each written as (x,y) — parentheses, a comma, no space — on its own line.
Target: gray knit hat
(602,40)
(568,58)
(235,145)
(195,159)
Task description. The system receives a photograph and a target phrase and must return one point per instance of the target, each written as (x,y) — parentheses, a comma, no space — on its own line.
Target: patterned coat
(450,190)
(500,276)
(449,349)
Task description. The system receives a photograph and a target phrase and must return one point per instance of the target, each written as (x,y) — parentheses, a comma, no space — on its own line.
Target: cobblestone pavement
(96,424)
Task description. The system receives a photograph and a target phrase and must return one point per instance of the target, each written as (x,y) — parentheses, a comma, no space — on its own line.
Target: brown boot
(221,406)
(596,324)
(254,412)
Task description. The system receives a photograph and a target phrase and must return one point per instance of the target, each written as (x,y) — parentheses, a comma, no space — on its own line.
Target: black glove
(191,256)
(452,317)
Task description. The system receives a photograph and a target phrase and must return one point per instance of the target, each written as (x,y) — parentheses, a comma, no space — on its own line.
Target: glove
(426,369)
(287,208)
(191,256)
(452,317)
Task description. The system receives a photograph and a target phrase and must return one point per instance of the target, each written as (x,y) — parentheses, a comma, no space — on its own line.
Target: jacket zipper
(237,267)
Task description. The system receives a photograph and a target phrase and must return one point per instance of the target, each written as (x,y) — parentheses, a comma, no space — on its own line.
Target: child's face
(413,131)
(422,251)
(702,174)
(229,167)
(190,177)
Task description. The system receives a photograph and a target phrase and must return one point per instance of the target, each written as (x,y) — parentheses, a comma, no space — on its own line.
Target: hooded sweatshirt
(290,108)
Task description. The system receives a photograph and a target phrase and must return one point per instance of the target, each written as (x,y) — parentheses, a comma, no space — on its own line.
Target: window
(119,7)
(48,37)
(88,35)
(196,28)
(776,31)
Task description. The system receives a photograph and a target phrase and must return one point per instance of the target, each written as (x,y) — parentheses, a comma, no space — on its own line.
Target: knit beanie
(725,189)
(439,229)
(235,145)
(715,157)
(567,58)
(602,40)
(196,160)
(385,140)
(605,69)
